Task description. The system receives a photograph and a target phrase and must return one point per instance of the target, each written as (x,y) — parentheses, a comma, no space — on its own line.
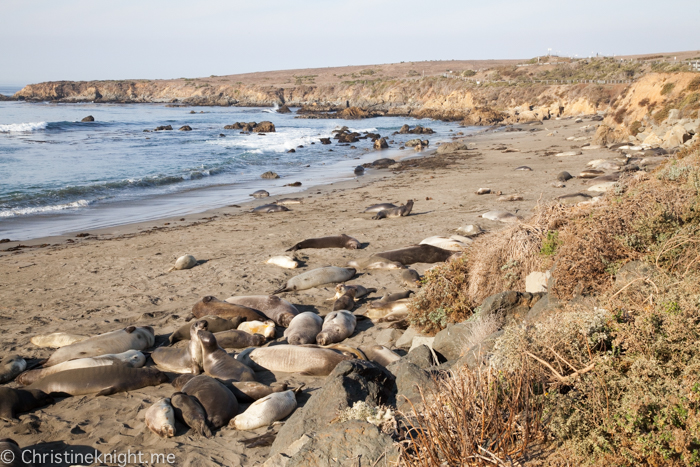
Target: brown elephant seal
(304,328)
(10,367)
(194,347)
(190,412)
(17,401)
(218,364)
(410,278)
(337,241)
(277,309)
(417,254)
(337,326)
(360,291)
(100,380)
(266,208)
(214,324)
(306,360)
(391,297)
(250,391)
(235,339)
(56,340)
(11,454)
(173,359)
(218,402)
(316,277)
(160,418)
(380,310)
(265,411)
(345,301)
(131,338)
(380,207)
(210,305)
(401,211)
(375,262)
(380,354)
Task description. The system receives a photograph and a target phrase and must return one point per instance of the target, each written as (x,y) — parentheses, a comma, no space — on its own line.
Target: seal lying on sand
(286,262)
(417,254)
(160,418)
(380,354)
(380,207)
(277,309)
(266,328)
(337,326)
(338,241)
(359,291)
(306,360)
(266,411)
(448,243)
(131,338)
(304,328)
(214,324)
(184,262)
(316,277)
(410,278)
(345,301)
(57,340)
(210,305)
(500,216)
(397,308)
(375,262)
(16,401)
(218,364)
(401,211)
(218,402)
(10,367)
(190,412)
(173,359)
(265,208)
(100,380)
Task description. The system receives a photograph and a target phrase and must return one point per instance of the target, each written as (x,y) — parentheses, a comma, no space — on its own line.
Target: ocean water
(60,175)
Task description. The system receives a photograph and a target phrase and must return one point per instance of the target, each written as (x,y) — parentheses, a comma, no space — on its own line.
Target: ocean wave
(22,127)
(43,209)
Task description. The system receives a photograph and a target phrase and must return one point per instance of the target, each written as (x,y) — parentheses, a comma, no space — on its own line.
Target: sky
(52,40)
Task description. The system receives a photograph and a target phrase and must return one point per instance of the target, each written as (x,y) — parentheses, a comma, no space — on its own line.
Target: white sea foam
(280,141)
(58,207)
(22,127)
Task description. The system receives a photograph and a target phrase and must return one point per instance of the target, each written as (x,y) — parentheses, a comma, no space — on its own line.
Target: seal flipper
(130,329)
(107,391)
(284,288)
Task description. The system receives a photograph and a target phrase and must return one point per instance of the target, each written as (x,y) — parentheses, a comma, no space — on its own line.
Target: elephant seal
(289,201)
(337,326)
(11,454)
(218,402)
(375,262)
(337,241)
(359,170)
(380,354)
(500,216)
(260,194)
(250,391)
(17,401)
(210,305)
(591,173)
(564,176)
(470,230)
(100,380)
(380,207)
(410,278)
(265,411)
(524,167)
(267,329)
(265,208)
(286,262)
(306,360)
(184,262)
(483,191)
(132,358)
(316,277)
(190,412)
(277,309)
(401,211)
(173,359)
(304,328)
(214,324)
(235,339)
(57,340)
(391,297)
(160,418)
(10,367)
(131,338)
(399,308)
(359,290)
(417,254)
(447,243)
(218,364)
(345,301)
(194,347)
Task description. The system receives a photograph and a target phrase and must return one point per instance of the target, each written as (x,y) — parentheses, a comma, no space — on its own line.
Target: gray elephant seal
(345,301)
(265,411)
(398,310)
(11,453)
(304,328)
(250,391)
(100,380)
(391,297)
(417,254)
(380,354)
(218,402)
(190,412)
(210,305)
(260,194)
(131,338)
(277,309)
(380,207)
(235,339)
(401,211)
(214,324)
(218,364)
(306,360)
(410,278)
(16,401)
(360,291)
(195,346)
(175,360)
(265,208)
(10,367)
(337,241)
(316,277)
(337,326)
(375,262)
(288,201)
(160,418)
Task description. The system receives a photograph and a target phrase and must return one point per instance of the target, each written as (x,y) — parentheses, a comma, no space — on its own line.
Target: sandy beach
(117,277)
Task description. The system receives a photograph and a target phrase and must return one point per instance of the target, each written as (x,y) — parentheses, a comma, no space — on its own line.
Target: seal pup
(266,208)
(375,262)
(286,262)
(345,301)
(359,291)
(446,243)
(190,412)
(306,360)
(218,364)
(214,324)
(132,358)
(211,305)
(391,297)
(289,201)
(265,411)
(266,328)
(524,167)
(184,262)
(218,402)
(410,278)
(260,194)
(316,277)
(500,216)
(160,418)
(56,340)
(194,347)
(417,254)
(250,391)
(174,359)
(337,241)
(401,211)
(16,401)
(470,230)
(337,326)
(380,354)
(100,380)
(11,454)
(10,367)
(275,308)
(130,338)
(359,170)
(380,207)
(591,173)
(304,328)
(235,339)
(378,310)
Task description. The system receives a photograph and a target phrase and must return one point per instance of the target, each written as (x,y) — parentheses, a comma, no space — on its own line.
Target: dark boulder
(325,141)
(284,109)
(383,163)
(164,127)
(381,144)
(264,127)
(185,128)
(564,176)
(269,175)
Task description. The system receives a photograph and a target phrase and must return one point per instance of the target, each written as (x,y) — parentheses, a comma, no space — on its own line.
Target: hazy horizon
(81,40)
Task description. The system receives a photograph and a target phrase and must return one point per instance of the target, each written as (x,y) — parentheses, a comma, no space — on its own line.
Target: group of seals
(400,211)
